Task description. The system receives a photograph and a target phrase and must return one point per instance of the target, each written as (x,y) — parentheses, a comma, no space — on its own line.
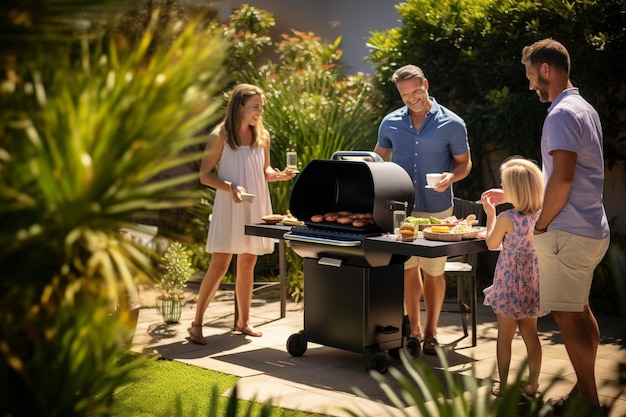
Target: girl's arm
(501,228)
(497,227)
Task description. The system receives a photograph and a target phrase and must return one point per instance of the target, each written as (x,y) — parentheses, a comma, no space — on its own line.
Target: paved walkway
(324,378)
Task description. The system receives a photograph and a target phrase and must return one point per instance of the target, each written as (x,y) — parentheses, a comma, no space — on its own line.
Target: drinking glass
(292,160)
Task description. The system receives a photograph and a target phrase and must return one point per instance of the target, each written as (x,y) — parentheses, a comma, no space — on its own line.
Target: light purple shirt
(573,125)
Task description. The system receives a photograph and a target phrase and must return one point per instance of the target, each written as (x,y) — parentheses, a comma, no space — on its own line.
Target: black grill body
(353,308)
(360,187)
(353,298)
(326,186)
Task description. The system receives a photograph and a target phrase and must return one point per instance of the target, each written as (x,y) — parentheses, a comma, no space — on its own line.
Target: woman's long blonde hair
(522,181)
(232,121)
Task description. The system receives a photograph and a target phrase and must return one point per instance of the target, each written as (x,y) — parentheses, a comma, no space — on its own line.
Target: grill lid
(328,186)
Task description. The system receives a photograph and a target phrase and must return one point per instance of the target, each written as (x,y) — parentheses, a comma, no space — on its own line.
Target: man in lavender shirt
(572,232)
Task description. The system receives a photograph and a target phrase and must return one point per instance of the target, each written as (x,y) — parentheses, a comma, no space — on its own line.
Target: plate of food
(450,234)
(273,218)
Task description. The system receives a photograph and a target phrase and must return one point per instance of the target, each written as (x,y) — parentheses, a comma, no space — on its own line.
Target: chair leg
(463,308)
(473,301)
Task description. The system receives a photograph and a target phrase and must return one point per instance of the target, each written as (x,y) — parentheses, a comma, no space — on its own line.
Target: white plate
(247,197)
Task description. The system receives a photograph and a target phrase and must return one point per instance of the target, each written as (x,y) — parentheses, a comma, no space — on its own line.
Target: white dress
(243,166)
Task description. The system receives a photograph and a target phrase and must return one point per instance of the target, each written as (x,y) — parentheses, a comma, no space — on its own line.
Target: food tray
(429,225)
(449,237)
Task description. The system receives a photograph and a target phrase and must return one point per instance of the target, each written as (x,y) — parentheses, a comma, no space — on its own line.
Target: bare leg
(506,332)
(243,287)
(210,283)
(434,293)
(413,289)
(528,329)
(581,337)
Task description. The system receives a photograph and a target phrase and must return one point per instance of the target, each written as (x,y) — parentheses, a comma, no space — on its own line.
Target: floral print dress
(515,289)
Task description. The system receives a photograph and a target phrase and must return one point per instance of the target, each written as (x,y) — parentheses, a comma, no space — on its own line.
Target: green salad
(422,220)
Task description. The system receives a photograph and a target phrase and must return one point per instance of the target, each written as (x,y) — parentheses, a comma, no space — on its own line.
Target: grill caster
(412,348)
(297,344)
(376,360)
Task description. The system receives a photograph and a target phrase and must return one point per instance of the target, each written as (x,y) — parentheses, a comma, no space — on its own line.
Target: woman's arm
(273,174)
(212,154)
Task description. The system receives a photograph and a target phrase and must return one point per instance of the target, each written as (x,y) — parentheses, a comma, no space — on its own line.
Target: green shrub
(470,51)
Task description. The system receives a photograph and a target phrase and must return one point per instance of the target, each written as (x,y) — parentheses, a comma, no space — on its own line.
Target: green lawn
(162,387)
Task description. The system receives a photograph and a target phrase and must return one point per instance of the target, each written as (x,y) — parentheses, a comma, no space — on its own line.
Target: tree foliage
(471,50)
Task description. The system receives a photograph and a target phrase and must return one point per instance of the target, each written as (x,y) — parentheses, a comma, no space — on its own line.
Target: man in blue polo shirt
(425,137)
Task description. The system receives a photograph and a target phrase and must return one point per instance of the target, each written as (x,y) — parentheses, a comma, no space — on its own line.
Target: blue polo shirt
(431,149)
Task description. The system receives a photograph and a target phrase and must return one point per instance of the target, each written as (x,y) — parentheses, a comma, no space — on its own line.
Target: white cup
(433,179)
(292,160)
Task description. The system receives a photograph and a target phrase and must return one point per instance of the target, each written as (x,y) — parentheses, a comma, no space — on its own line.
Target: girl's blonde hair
(239,96)
(522,181)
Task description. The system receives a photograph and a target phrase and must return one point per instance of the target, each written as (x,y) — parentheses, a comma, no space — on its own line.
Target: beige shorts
(566,265)
(432,266)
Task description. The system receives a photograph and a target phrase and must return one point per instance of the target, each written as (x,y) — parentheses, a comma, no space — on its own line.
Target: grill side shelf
(320,240)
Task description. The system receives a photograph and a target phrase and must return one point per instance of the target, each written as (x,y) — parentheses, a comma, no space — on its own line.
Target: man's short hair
(407,72)
(549,51)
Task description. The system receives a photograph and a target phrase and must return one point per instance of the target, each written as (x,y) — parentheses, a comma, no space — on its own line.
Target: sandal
(430,344)
(249,330)
(559,405)
(198,340)
(529,391)
(495,389)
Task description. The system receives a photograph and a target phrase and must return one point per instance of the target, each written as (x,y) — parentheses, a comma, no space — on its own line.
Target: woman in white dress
(236,161)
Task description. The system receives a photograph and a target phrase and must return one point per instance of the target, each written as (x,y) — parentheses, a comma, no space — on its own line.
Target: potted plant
(177,270)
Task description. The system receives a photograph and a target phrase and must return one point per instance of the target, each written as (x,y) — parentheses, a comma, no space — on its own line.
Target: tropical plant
(450,395)
(88,121)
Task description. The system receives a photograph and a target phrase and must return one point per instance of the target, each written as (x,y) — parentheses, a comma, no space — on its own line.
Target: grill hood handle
(356,156)
(397,205)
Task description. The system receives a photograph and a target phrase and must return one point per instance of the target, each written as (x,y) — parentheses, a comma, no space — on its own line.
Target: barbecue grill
(353,296)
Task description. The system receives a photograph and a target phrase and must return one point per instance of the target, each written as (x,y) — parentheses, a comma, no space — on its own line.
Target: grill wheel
(297,344)
(375,360)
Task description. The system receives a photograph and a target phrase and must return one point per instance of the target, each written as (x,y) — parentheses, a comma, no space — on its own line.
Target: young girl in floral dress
(514,295)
